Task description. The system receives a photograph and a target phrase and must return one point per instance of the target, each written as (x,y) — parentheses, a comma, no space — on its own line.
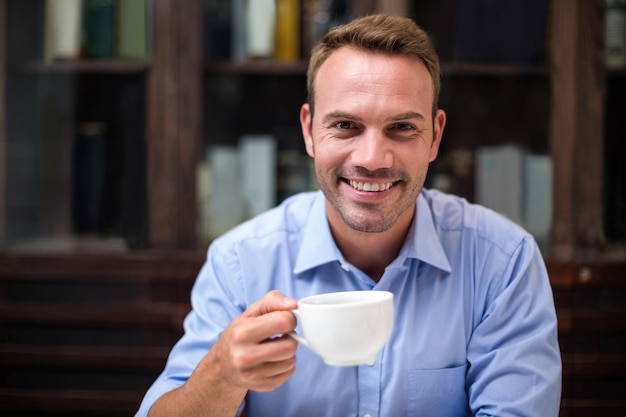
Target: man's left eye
(402,126)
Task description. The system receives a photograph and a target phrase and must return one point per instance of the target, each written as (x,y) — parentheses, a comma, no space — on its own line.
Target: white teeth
(366,186)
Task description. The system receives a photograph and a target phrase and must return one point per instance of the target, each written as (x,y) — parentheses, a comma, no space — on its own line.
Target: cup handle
(293,334)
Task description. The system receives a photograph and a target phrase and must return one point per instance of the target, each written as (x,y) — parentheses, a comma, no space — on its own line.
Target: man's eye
(344,125)
(403,126)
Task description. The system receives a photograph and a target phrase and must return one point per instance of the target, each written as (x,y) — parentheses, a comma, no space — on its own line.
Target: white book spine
(258,167)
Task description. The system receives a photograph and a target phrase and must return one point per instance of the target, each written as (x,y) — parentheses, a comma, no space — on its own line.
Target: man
(475,327)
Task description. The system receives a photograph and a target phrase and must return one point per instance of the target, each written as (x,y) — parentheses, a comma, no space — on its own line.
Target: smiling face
(372,136)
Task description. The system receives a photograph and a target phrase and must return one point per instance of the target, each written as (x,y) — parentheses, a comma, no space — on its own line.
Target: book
(62,29)
(258,168)
(615,33)
(287,40)
(260,20)
(538,196)
(518,185)
(225,202)
(238,52)
(499,179)
(131,29)
(217,34)
(88,175)
(99,26)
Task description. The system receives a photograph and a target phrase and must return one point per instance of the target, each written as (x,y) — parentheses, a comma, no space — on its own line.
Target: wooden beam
(162,123)
(563,54)
(590,128)
(576,132)
(3,126)
(174,127)
(190,117)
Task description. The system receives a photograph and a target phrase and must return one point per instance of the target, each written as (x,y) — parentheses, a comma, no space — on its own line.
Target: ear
(438,125)
(305,124)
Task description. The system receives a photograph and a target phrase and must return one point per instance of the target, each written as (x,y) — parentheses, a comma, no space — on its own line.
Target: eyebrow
(409,115)
(337,114)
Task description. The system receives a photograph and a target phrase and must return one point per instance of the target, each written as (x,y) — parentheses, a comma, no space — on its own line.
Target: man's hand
(253,352)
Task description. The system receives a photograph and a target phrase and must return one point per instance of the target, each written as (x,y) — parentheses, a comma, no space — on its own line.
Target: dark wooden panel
(65,402)
(109,358)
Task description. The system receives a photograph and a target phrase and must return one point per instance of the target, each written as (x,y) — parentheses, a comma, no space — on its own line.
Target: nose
(372,151)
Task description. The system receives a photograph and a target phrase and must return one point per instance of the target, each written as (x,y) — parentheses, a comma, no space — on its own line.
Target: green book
(99,28)
(131,29)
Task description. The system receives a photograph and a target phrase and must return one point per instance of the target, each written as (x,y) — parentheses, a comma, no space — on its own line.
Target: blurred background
(133,132)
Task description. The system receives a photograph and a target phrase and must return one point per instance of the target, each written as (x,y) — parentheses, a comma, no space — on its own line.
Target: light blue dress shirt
(475,328)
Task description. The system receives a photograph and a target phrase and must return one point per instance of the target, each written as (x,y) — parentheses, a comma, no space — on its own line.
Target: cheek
(329,158)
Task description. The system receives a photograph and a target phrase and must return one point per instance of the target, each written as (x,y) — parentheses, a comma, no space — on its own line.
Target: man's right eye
(344,125)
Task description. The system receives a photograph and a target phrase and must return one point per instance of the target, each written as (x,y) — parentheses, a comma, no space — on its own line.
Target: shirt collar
(423,241)
(318,246)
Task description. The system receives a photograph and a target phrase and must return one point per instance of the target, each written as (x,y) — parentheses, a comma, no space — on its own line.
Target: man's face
(372,136)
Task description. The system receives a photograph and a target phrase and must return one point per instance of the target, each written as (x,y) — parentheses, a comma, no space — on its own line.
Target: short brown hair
(387,34)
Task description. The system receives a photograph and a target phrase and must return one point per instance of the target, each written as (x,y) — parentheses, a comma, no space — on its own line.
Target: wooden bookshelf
(108,66)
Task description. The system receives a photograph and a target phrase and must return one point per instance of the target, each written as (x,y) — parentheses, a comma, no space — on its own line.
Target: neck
(370,252)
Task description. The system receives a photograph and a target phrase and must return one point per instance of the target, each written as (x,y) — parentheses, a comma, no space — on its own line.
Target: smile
(366,186)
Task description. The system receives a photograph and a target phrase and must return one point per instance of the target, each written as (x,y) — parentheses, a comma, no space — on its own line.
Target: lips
(370,186)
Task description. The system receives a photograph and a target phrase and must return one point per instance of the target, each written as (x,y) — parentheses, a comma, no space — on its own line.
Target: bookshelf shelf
(473,69)
(113,66)
(616,73)
(261,67)
(449,68)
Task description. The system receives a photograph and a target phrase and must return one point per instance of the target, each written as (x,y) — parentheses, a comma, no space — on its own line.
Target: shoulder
(454,214)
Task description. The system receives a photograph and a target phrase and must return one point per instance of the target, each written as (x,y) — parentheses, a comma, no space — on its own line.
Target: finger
(254,330)
(277,349)
(272,301)
(248,358)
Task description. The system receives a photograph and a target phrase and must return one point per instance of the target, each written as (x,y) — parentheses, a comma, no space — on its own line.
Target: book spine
(99,28)
(260,21)
(131,29)
(89,178)
(287,48)
(217,30)
(258,167)
(615,33)
(499,179)
(238,31)
(62,33)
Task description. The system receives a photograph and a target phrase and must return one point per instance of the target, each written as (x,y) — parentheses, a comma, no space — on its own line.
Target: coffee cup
(345,328)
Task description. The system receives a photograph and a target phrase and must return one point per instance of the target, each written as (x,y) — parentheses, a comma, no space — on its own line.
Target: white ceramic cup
(345,328)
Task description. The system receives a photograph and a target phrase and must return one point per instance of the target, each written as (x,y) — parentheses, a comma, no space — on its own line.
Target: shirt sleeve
(513,353)
(216,299)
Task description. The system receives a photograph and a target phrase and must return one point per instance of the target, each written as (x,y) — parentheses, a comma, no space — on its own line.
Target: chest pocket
(437,392)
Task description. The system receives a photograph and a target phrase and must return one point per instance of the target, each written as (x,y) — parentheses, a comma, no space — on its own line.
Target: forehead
(349,73)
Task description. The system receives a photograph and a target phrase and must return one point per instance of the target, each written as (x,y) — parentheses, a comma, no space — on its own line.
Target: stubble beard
(367,217)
